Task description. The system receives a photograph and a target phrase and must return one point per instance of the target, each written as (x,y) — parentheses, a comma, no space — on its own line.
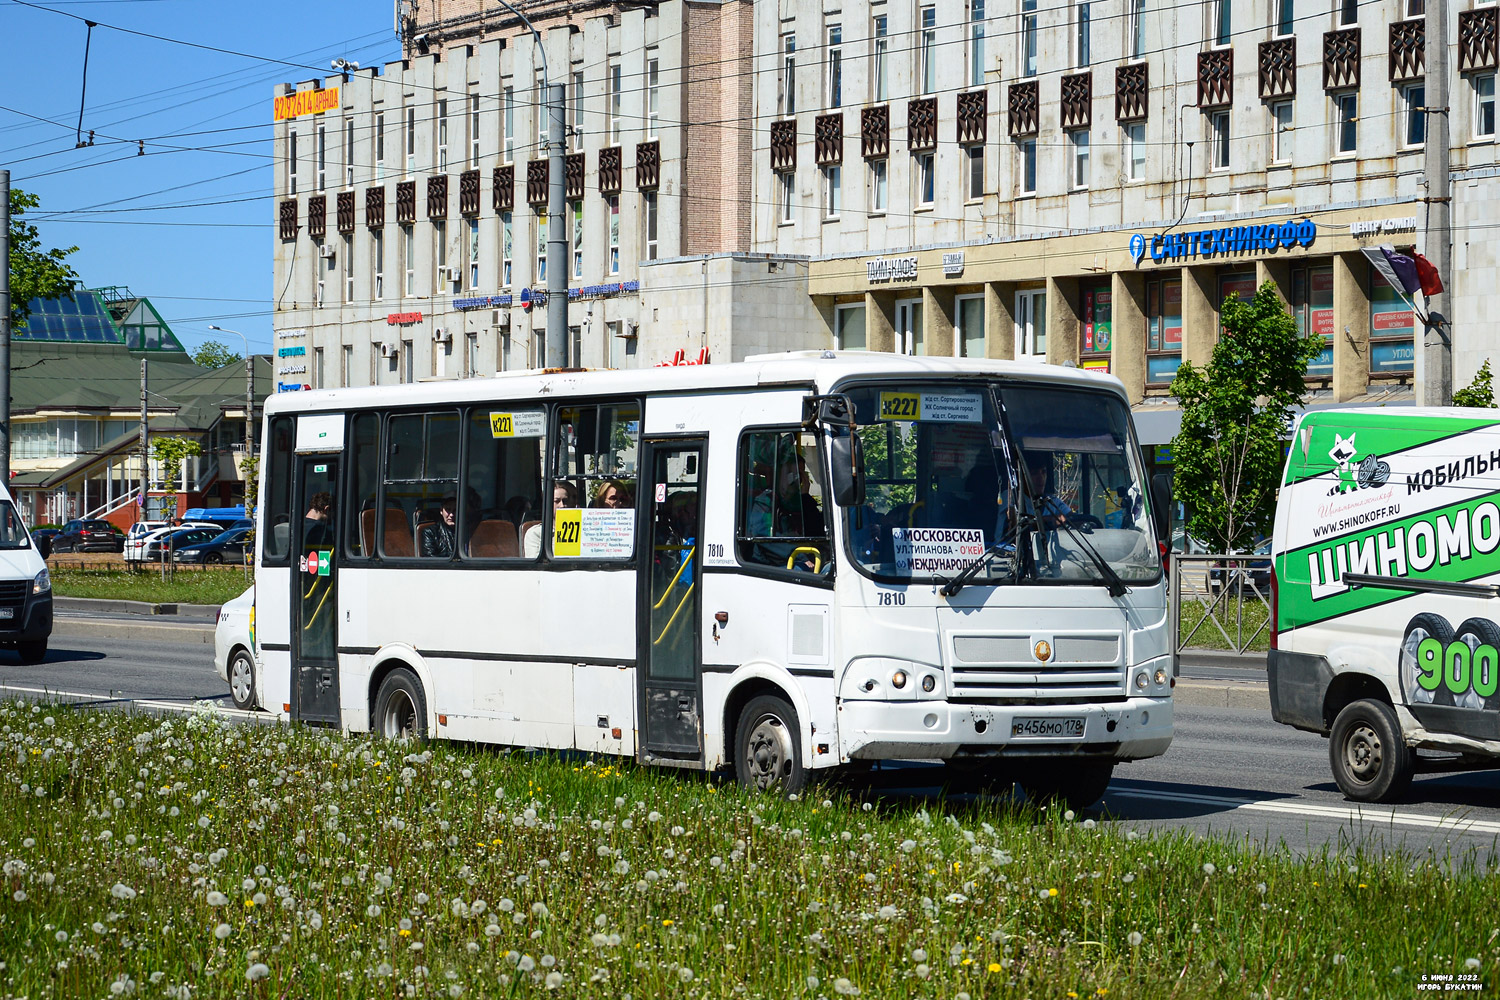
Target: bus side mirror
(1161,506)
(847,456)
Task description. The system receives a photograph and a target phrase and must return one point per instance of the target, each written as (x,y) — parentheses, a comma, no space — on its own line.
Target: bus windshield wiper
(1115,586)
(966,574)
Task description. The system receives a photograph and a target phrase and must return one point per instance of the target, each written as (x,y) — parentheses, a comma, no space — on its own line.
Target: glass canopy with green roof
(101,316)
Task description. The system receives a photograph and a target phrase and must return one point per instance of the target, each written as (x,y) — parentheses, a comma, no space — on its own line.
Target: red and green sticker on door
(318,562)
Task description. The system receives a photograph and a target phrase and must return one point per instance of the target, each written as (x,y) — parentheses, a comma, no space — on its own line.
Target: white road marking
(1372,815)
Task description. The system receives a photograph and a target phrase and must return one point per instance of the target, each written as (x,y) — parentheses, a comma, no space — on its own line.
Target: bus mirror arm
(1161,505)
(835,412)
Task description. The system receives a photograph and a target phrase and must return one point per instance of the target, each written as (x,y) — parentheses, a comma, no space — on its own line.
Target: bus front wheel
(1371,763)
(766,756)
(400,707)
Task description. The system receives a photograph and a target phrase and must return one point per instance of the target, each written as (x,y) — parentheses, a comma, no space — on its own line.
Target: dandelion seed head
(257,972)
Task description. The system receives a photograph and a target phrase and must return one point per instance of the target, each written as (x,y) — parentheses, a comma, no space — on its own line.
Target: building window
(577,240)
(473,130)
(539,109)
(1135,29)
(976,43)
(541,247)
(1285,22)
(322,156)
(928,49)
(1218,134)
(924,179)
(1028,166)
(650,226)
(507,248)
(849,328)
(409,260)
(1415,8)
(835,64)
(348,252)
(291,161)
(378,252)
(317,372)
(442,135)
(970,326)
(882,47)
(1414,114)
(1028,37)
(575,139)
(974,174)
(1095,336)
(1079,141)
(1219,30)
(612,81)
(1163,330)
(473,254)
(471,354)
(1312,308)
(1392,328)
(1281,132)
(786,187)
(1031,325)
(440,271)
(1135,139)
(1348,12)
(1484,106)
(832,196)
(653,93)
(508,112)
(348,152)
(879,185)
(1082,24)
(614,234)
(380,147)
(1346,122)
(408,362)
(411,140)
(346,365)
(786,99)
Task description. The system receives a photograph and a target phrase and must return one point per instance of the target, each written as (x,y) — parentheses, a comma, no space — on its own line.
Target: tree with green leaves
(169,452)
(213,354)
(1480,392)
(1236,412)
(34,273)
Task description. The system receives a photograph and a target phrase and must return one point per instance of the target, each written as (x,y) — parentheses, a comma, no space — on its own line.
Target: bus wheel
(1075,784)
(1370,761)
(400,707)
(766,756)
(242,680)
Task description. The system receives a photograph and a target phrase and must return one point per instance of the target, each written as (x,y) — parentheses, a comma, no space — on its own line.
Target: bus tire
(400,707)
(1476,632)
(1076,784)
(766,757)
(1370,761)
(242,680)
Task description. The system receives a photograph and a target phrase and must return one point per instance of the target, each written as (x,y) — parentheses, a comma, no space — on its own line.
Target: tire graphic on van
(1453,668)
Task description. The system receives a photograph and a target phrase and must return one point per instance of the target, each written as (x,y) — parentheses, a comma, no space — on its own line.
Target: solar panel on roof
(80,318)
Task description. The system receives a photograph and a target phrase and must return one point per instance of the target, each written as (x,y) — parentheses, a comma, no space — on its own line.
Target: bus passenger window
(594,482)
(364,484)
(277,516)
(421,475)
(502,495)
(782,523)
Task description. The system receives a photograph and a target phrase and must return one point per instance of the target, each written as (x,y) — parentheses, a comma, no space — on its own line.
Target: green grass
(186,857)
(183,587)
(1239,621)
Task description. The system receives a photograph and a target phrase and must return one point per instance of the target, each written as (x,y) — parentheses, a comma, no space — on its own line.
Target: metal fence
(1228,598)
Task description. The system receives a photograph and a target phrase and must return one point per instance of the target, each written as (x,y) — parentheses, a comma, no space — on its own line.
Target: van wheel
(1474,633)
(1076,784)
(242,680)
(1370,761)
(400,707)
(1423,626)
(766,756)
(32,652)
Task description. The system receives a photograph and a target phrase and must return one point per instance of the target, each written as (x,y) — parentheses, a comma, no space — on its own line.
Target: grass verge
(1239,621)
(192,858)
(194,587)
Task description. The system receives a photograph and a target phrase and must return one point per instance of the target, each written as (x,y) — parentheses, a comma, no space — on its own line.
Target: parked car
(142,532)
(168,540)
(234,650)
(1253,576)
(228,546)
(83,534)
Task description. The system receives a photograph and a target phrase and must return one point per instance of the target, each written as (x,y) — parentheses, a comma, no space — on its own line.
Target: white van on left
(25,587)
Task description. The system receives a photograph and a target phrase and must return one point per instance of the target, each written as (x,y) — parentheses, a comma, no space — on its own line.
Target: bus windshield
(1048,477)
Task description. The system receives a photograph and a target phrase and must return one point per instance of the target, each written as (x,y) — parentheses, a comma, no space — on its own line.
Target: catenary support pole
(1434,360)
(558,235)
(5,327)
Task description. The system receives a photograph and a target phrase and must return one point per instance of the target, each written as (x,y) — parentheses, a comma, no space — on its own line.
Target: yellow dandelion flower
(404,932)
(967,961)
(1051,892)
(1101,991)
(994,966)
(957,865)
(1073,995)
(666,923)
(1363,886)
(249,904)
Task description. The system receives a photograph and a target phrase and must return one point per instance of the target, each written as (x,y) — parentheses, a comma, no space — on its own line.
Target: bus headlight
(1160,677)
(1141,680)
(929,682)
(898,679)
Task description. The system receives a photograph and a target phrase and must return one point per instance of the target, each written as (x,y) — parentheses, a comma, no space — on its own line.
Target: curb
(136,607)
(152,632)
(1220,658)
(1233,694)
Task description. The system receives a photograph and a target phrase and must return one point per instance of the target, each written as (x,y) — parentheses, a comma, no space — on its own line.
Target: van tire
(32,652)
(400,707)
(1423,626)
(1073,783)
(767,757)
(241,672)
(1370,760)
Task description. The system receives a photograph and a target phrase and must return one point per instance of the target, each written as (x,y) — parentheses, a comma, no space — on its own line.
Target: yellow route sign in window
(567,531)
(900,405)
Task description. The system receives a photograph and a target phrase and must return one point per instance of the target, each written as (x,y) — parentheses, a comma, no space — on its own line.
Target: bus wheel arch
(746,692)
(392,663)
(1347,688)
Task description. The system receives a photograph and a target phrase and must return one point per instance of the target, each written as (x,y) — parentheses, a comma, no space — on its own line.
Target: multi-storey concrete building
(412,212)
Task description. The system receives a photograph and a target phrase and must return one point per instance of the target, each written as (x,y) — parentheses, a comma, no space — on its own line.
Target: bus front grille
(1025,683)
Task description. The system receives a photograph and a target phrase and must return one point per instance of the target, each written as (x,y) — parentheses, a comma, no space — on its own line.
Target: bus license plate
(1056,728)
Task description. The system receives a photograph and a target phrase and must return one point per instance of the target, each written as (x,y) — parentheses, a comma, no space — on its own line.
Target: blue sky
(206,119)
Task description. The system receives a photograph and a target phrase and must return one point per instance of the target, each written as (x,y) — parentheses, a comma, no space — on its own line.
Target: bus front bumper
(1133,729)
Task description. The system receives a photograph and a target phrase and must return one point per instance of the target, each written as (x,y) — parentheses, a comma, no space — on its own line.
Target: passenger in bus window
(613,494)
(787,511)
(317,523)
(1051,510)
(564,495)
(437,537)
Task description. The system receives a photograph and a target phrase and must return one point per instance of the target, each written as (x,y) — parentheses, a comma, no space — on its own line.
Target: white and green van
(1387,592)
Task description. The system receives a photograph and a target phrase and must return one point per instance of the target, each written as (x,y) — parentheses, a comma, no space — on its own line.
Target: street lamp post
(249,391)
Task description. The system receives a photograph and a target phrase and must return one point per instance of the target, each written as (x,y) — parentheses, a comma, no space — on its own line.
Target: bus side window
(277,515)
(781,505)
(421,472)
(364,485)
(595,453)
(502,479)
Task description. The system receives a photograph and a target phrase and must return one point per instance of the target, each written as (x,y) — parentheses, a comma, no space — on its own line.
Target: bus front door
(670,629)
(315,673)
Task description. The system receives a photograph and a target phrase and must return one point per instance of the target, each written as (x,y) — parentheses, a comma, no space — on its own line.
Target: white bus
(778,565)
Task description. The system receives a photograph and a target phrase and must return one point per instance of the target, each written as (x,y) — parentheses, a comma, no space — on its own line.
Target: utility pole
(249,392)
(5,328)
(1434,352)
(558,236)
(145,455)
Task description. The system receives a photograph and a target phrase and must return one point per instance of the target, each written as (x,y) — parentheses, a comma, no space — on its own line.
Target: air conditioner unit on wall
(502,318)
(442,336)
(388,350)
(326,250)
